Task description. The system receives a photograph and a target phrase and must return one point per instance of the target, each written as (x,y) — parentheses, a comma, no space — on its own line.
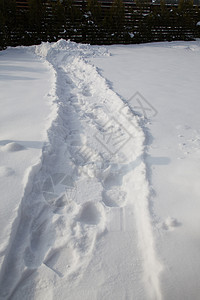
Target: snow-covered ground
(99,171)
(167,76)
(24,119)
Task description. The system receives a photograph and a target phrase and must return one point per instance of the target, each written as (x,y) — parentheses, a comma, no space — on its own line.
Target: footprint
(6,172)
(59,190)
(12,147)
(170,224)
(61,261)
(90,214)
(41,238)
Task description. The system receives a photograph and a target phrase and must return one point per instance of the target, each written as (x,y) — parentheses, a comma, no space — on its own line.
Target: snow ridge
(82,178)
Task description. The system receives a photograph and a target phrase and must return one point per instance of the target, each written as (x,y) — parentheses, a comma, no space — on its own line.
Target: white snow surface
(99,171)
(160,81)
(24,119)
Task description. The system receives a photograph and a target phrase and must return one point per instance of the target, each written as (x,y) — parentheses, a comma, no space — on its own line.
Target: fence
(96,22)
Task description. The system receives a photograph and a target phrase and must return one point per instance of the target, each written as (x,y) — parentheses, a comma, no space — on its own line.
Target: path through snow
(83,229)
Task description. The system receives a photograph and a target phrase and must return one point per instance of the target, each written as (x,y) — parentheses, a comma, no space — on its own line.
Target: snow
(24,84)
(167,76)
(101,148)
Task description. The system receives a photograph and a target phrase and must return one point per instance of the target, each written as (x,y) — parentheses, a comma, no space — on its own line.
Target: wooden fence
(132,23)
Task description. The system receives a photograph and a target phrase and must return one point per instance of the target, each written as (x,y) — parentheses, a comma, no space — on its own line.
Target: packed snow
(99,171)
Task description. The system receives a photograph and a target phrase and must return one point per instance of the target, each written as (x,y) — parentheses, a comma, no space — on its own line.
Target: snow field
(99,194)
(166,75)
(23,125)
(84,218)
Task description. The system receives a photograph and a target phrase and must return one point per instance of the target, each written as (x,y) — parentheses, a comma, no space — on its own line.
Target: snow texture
(96,206)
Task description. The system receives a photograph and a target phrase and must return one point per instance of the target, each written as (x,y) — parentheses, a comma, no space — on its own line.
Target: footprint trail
(91,181)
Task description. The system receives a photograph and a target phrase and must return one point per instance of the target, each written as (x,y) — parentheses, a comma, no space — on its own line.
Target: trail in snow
(91,183)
